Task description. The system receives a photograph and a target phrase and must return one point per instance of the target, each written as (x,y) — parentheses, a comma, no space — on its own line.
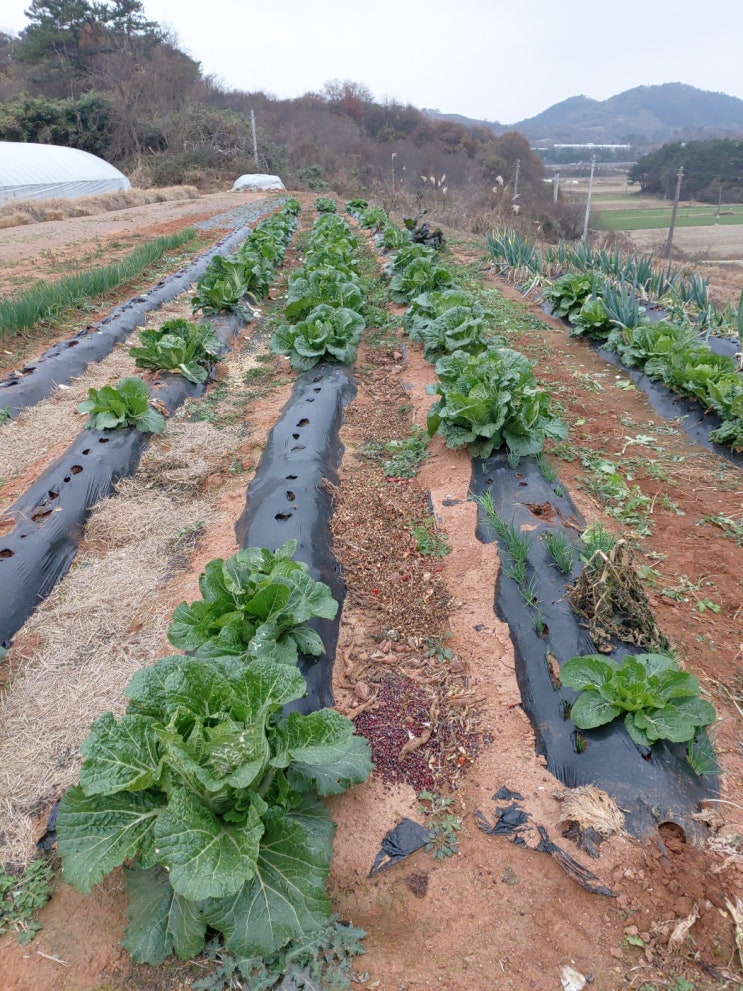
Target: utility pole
(516,179)
(677,197)
(588,201)
(255,139)
(555,186)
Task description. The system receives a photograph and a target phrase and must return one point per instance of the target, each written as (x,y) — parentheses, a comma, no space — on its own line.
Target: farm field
(641,224)
(617,218)
(420,648)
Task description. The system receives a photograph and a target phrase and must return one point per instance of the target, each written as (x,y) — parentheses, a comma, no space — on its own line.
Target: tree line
(98,75)
(713,171)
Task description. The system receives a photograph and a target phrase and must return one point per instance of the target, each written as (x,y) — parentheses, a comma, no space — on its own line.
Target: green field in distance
(628,219)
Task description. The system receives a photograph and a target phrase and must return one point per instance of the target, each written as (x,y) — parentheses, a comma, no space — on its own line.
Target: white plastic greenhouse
(34,171)
(257,182)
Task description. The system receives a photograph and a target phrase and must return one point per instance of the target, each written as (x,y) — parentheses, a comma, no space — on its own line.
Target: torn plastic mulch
(291,497)
(67,359)
(650,787)
(49,517)
(398,843)
(515,823)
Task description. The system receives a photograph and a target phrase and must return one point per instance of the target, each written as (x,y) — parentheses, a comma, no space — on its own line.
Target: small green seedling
(435,648)
(21,896)
(560,550)
(125,405)
(428,541)
(407,454)
(597,538)
(444,825)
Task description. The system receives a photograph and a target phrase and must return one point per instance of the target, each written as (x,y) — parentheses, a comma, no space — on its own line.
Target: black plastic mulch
(291,497)
(66,359)
(649,787)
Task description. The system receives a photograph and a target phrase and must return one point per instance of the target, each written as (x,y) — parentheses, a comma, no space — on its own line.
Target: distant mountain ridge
(643,117)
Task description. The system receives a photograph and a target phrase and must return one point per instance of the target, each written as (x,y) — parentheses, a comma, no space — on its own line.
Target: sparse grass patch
(408,454)
(429,542)
(597,538)
(21,895)
(206,409)
(731,529)
(625,503)
(187,537)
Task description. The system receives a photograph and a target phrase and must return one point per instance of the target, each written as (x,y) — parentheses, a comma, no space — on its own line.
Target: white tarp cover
(35,171)
(258,182)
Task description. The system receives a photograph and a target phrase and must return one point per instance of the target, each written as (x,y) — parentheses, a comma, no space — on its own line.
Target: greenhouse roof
(37,171)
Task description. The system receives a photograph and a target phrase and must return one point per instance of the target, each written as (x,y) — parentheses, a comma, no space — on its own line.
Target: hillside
(644,117)
(123,90)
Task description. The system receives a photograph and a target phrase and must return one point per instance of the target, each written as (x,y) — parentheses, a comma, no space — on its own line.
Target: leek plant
(517,252)
(50,301)
(621,303)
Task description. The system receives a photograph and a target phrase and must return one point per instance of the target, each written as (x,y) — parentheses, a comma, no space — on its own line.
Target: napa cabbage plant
(426,307)
(490,400)
(392,238)
(327,333)
(672,353)
(725,396)
(266,242)
(255,604)
(691,370)
(567,294)
(232,283)
(127,404)
(374,218)
(637,345)
(179,346)
(659,700)
(456,329)
(730,432)
(223,287)
(337,254)
(408,252)
(592,320)
(208,793)
(422,274)
(326,284)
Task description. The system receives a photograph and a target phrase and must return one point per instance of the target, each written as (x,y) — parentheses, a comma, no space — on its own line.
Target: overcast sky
(482,58)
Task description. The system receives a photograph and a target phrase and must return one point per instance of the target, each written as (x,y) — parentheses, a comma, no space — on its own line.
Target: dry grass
(591,808)
(82,652)
(103,622)
(40,428)
(187,455)
(176,309)
(15,213)
(137,513)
